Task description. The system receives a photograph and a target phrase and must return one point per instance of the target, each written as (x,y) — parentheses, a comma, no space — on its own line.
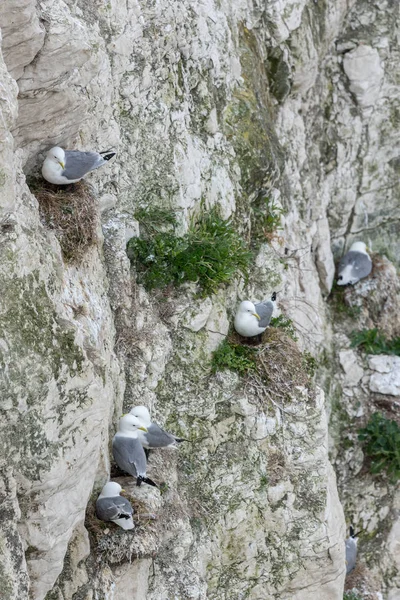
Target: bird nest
(115,545)
(281,369)
(71,212)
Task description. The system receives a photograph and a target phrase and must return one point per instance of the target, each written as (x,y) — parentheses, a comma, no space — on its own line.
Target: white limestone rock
(353,371)
(364,69)
(386,378)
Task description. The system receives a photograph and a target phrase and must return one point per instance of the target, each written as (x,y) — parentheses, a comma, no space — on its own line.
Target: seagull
(354,265)
(351,551)
(63,167)
(110,506)
(128,451)
(253,319)
(154,437)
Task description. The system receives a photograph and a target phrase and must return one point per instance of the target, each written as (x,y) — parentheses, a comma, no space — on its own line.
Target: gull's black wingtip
(107,156)
(273,297)
(140,480)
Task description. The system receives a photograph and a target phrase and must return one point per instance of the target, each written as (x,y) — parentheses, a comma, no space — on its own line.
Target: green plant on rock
(373,341)
(154,219)
(351,595)
(210,254)
(338,303)
(286,324)
(381,443)
(265,220)
(233,356)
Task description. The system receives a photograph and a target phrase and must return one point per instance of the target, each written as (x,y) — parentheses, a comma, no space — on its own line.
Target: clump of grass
(233,356)
(72,215)
(155,219)
(338,302)
(210,254)
(265,220)
(351,596)
(286,324)
(381,443)
(310,364)
(373,341)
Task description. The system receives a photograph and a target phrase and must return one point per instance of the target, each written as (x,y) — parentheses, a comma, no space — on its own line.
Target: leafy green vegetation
(211,254)
(233,356)
(372,341)
(286,324)
(310,364)
(338,302)
(381,442)
(351,596)
(265,220)
(154,219)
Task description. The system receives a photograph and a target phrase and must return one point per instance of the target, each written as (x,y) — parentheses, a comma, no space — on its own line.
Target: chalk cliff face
(207,103)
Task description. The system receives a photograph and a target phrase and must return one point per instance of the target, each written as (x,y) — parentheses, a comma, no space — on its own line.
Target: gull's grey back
(77,163)
(360,262)
(157,437)
(129,455)
(108,509)
(264,311)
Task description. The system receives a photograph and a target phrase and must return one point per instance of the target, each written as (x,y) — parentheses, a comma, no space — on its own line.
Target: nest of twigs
(115,545)
(281,368)
(71,212)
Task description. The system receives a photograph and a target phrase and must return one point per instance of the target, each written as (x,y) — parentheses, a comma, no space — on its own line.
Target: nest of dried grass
(281,368)
(72,214)
(117,546)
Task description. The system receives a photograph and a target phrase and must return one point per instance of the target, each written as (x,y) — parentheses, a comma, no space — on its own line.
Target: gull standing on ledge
(63,167)
(351,551)
(110,506)
(154,437)
(354,265)
(253,319)
(128,451)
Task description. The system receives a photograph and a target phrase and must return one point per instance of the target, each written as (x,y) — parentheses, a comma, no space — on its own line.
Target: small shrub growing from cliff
(338,302)
(233,356)
(211,254)
(72,215)
(155,219)
(265,220)
(351,596)
(372,341)
(381,443)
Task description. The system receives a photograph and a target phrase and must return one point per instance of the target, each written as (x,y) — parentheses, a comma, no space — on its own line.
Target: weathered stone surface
(353,371)
(22,33)
(386,380)
(207,103)
(364,70)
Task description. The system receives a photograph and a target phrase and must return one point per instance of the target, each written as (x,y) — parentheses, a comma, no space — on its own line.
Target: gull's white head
(141,413)
(56,156)
(247,308)
(359,247)
(129,424)
(111,489)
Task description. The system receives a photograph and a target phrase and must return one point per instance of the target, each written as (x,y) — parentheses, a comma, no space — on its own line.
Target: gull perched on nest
(253,319)
(128,451)
(354,265)
(154,437)
(110,506)
(63,167)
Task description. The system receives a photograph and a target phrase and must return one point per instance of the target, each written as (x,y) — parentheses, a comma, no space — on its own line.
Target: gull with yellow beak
(110,506)
(128,451)
(253,319)
(63,167)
